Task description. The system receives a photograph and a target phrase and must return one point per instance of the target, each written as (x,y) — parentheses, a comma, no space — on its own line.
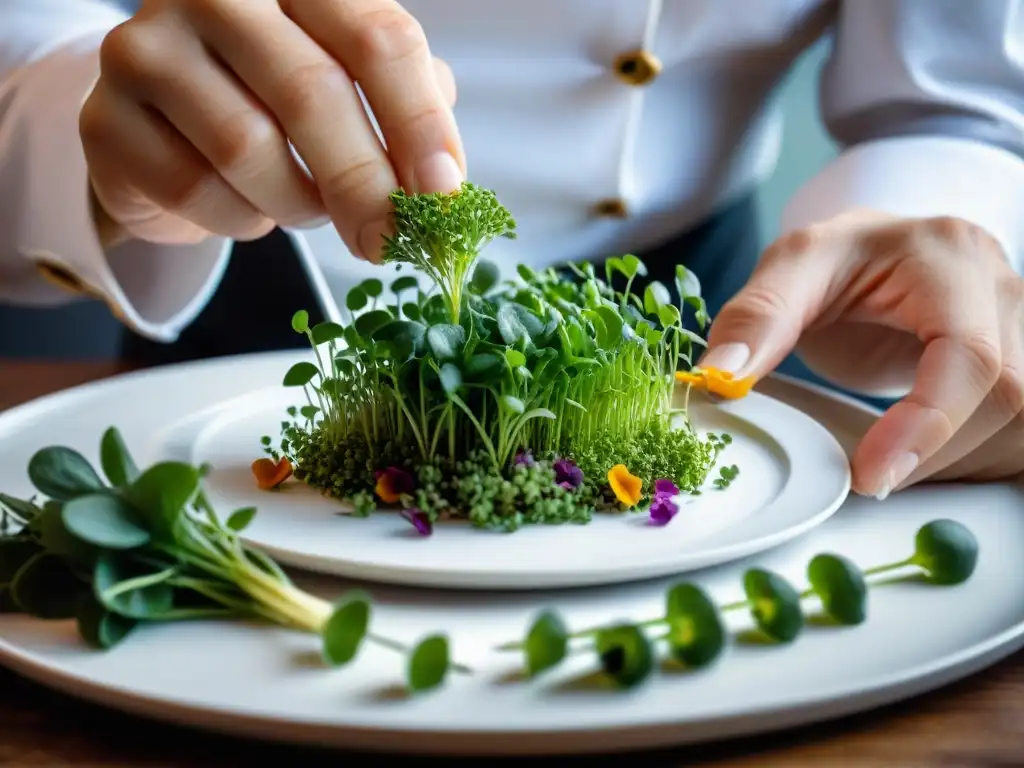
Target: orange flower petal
(720,383)
(626,487)
(270,475)
(385,490)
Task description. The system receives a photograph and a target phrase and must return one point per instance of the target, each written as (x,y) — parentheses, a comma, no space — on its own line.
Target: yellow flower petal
(626,487)
(716,382)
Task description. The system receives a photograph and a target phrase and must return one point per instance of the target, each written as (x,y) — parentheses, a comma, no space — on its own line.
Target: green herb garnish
(455,382)
(693,628)
(147,547)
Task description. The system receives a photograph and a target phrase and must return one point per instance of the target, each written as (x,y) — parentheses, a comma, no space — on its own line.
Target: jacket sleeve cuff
(918,177)
(156,290)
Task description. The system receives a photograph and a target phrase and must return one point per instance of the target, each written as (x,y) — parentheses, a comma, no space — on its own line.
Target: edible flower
(717,382)
(567,474)
(626,487)
(419,520)
(270,474)
(392,483)
(663,505)
(523,459)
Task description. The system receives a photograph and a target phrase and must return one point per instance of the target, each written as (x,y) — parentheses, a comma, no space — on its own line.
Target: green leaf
(98,627)
(412,311)
(344,631)
(14,553)
(668,315)
(696,632)
(483,365)
(428,664)
(300,374)
(840,586)
(105,521)
(309,411)
(300,321)
(947,551)
(46,588)
(372,287)
(546,643)
(515,358)
(58,540)
(451,379)
(131,591)
(517,325)
(446,341)
(326,331)
(403,337)
(355,300)
(239,519)
(368,322)
(404,283)
(775,604)
(687,283)
(656,295)
(626,654)
(485,276)
(63,473)
(163,492)
(633,266)
(26,510)
(115,459)
(613,324)
(513,404)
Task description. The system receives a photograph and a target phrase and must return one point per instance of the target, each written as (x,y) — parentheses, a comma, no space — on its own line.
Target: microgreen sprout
(693,627)
(147,546)
(507,402)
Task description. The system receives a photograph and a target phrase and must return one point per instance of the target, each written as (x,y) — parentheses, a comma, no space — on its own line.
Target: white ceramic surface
(793,476)
(266,683)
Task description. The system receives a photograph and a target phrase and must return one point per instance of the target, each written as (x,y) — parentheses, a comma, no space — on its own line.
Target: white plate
(793,476)
(265,683)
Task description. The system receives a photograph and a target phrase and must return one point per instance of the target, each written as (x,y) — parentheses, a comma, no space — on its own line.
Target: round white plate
(266,683)
(793,476)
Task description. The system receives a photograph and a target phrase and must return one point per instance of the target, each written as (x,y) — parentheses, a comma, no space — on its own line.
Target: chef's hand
(926,308)
(186,132)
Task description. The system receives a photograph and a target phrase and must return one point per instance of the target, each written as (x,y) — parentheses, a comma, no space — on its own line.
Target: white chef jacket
(925,96)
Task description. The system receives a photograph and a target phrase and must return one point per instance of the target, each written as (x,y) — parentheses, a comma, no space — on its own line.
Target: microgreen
(693,629)
(149,547)
(459,374)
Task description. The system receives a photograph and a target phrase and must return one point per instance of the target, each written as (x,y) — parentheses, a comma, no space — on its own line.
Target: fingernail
(316,223)
(371,239)
(899,471)
(728,357)
(438,173)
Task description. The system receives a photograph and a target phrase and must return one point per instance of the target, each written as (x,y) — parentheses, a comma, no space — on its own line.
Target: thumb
(762,323)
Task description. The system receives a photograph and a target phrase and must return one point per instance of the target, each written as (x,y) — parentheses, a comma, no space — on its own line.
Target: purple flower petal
(419,520)
(665,487)
(663,509)
(524,459)
(567,474)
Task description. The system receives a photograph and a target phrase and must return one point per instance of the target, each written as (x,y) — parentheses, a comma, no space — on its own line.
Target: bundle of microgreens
(149,548)
(534,401)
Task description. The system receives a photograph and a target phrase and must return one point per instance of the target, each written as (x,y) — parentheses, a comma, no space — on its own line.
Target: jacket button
(613,207)
(637,67)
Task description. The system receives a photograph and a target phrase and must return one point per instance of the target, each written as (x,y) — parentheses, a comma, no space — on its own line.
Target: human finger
(961,362)
(317,105)
(162,65)
(761,324)
(385,50)
(152,181)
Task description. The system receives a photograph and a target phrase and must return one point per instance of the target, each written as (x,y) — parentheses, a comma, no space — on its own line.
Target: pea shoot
(693,629)
(147,547)
(454,374)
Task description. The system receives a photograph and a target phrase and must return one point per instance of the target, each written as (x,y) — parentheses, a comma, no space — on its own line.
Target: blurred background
(86,330)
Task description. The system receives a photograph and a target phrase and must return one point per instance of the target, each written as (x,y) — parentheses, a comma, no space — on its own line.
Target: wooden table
(978,722)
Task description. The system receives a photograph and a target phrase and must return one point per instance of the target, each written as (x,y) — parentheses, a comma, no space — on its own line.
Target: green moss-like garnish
(451,380)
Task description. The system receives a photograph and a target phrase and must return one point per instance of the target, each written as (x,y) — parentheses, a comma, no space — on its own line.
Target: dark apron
(252,308)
